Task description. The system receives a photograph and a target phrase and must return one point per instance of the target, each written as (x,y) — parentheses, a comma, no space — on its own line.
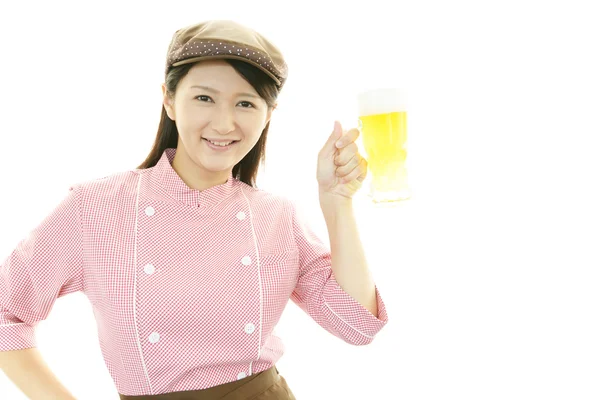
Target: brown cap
(226,39)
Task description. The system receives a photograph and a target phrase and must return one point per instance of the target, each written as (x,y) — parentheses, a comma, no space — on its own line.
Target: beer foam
(381,101)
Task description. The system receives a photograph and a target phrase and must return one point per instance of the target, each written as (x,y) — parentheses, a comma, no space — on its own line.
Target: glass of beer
(382,122)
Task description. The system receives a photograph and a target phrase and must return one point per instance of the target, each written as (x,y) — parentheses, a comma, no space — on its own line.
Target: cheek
(250,139)
(191,119)
(251,125)
(250,142)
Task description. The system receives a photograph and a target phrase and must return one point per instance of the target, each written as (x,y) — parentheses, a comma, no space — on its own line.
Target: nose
(224,119)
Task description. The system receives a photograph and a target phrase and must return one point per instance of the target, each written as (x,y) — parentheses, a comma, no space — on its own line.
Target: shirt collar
(165,176)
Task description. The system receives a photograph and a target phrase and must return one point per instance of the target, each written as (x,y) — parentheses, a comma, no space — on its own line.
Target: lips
(219,148)
(232,141)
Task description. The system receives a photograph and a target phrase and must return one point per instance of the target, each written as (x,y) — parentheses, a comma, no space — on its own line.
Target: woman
(187,264)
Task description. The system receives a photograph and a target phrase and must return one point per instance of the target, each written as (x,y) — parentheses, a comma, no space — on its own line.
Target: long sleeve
(319,295)
(45,265)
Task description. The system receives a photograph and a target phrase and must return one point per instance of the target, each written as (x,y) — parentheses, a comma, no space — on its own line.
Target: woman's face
(214,102)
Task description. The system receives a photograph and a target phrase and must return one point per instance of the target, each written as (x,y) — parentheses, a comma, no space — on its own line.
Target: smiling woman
(187,264)
(218,100)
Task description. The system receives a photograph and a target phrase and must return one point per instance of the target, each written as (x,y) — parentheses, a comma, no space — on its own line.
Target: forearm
(348,260)
(29,372)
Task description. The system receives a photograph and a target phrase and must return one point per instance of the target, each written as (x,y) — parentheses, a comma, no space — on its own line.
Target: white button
(241,215)
(154,337)
(241,375)
(149,269)
(149,210)
(249,328)
(246,260)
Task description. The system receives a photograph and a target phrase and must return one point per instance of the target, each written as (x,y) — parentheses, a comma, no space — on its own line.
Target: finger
(346,154)
(349,166)
(336,134)
(358,172)
(349,137)
(365,170)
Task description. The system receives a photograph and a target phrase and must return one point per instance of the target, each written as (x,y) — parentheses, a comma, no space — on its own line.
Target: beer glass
(382,122)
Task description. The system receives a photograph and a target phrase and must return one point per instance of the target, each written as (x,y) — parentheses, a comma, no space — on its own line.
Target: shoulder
(120,183)
(271,200)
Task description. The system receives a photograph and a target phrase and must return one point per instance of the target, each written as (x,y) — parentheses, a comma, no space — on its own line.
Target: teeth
(220,144)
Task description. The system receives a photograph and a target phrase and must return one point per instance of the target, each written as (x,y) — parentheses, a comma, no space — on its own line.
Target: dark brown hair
(247,169)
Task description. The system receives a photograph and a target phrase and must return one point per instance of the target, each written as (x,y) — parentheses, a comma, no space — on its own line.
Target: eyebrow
(216,91)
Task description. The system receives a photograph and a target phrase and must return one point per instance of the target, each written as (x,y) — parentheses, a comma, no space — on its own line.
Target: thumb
(335,135)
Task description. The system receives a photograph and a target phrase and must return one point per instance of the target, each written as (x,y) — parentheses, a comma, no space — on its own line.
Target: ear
(167,103)
(269,114)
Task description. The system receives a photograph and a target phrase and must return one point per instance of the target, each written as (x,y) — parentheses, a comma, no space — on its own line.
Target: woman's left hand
(341,169)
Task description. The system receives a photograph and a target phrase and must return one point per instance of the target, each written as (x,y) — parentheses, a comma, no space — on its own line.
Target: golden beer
(382,116)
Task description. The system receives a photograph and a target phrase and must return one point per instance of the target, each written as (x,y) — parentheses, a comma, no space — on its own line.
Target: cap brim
(223,56)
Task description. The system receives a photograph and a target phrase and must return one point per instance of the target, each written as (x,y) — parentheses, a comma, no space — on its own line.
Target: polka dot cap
(226,39)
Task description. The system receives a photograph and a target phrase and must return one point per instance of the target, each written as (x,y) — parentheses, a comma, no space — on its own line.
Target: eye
(247,102)
(250,105)
(203,96)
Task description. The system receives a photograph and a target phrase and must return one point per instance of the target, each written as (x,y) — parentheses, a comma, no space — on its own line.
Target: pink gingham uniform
(186,285)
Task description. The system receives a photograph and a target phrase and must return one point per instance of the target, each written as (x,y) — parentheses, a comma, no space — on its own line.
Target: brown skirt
(266,385)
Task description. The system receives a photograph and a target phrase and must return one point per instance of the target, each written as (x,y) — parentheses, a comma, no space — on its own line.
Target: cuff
(17,336)
(356,322)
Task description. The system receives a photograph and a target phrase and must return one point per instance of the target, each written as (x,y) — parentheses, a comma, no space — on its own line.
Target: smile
(220,146)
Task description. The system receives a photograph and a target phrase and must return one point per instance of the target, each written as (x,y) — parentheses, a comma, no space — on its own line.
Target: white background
(489,272)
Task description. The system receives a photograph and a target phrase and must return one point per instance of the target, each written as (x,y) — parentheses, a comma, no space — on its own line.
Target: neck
(196,177)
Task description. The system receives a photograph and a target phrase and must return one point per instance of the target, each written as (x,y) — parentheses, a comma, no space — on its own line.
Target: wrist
(328,199)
